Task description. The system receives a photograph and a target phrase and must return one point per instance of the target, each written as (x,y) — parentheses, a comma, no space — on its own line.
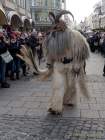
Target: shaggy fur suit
(65,76)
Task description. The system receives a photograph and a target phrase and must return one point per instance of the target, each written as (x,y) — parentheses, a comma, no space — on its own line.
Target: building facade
(103,14)
(99,15)
(103,6)
(3,19)
(17,13)
(40,10)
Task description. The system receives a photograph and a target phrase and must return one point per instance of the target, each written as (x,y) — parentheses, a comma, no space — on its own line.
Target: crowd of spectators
(12,41)
(10,45)
(97,44)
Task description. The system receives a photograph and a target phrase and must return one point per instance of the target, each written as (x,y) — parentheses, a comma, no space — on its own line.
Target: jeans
(15,65)
(2,70)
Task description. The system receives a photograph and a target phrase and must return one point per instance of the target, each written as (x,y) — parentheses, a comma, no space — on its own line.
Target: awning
(14,19)
(3,19)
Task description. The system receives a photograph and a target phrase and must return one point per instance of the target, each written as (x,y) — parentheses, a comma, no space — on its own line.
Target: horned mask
(57,40)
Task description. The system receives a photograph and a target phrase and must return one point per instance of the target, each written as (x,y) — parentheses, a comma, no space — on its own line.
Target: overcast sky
(81,8)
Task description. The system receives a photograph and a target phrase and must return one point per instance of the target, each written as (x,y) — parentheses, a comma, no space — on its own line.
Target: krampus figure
(67,51)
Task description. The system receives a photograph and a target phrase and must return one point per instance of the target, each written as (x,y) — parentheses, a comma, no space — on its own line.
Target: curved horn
(63,12)
(52,16)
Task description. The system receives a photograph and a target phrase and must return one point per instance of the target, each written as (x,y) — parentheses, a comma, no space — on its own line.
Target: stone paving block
(7,97)
(41,99)
(90,100)
(4,110)
(31,105)
(82,106)
(103,95)
(98,106)
(44,105)
(4,103)
(69,112)
(41,94)
(89,114)
(17,93)
(18,111)
(100,100)
(98,86)
(16,103)
(37,113)
(36,99)
(28,99)
(97,95)
(102,113)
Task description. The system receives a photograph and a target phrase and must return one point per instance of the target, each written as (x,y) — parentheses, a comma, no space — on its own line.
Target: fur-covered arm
(49,72)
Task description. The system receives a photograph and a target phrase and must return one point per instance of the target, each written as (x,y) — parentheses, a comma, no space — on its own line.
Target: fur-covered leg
(82,85)
(70,92)
(56,103)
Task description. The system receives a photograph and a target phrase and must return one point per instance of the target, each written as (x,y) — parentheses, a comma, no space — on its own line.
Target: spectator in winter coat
(3,49)
(33,43)
(15,64)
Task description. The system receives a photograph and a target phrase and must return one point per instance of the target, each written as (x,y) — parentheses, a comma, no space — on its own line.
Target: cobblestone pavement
(51,128)
(24,116)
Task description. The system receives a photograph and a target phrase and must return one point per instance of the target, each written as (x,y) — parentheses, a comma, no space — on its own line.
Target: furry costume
(67,51)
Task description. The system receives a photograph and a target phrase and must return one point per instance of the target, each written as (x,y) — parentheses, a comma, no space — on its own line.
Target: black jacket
(32,42)
(3,48)
(14,49)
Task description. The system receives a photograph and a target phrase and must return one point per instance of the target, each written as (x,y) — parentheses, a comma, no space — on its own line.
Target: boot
(104,74)
(24,70)
(12,77)
(5,85)
(104,71)
(17,76)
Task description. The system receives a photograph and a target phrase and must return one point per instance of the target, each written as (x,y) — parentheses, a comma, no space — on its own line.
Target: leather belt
(67,60)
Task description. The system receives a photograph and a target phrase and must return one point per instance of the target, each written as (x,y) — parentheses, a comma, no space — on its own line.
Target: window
(33,3)
(57,3)
(14,1)
(38,2)
(46,3)
(22,3)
